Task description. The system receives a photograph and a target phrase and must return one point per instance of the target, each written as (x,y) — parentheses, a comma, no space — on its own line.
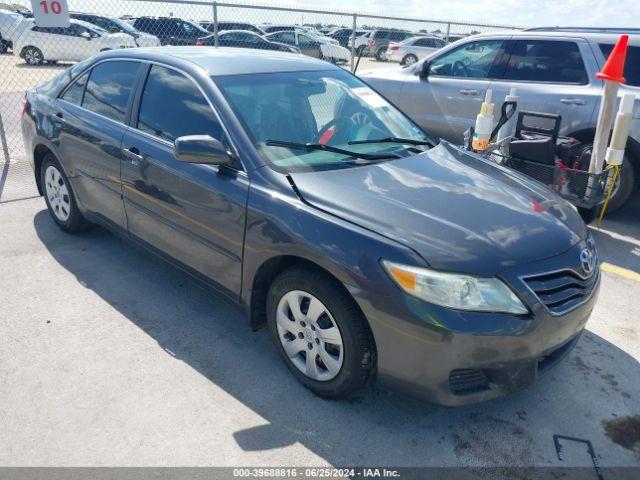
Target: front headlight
(459,291)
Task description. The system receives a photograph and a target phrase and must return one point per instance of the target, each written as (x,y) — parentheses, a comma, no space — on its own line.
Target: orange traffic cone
(613,69)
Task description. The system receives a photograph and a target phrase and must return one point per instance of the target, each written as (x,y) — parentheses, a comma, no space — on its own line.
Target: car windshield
(332,108)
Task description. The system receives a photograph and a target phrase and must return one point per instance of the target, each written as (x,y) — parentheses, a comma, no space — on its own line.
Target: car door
(287,37)
(550,76)
(89,121)
(52,41)
(82,43)
(446,98)
(192,213)
(308,46)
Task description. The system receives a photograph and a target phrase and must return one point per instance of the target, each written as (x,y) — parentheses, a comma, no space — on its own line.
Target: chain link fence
(30,55)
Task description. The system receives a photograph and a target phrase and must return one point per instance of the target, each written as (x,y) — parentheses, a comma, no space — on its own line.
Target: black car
(367,247)
(344,35)
(170,30)
(244,39)
(209,26)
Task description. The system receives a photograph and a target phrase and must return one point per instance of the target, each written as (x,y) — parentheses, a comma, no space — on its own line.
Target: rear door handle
(58,117)
(572,101)
(133,154)
(469,91)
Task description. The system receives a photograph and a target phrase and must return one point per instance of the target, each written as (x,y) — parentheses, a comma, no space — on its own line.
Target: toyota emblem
(587,260)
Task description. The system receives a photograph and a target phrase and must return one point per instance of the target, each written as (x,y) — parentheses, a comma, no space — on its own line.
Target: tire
(59,197)
(33,56)
(381,54)
(351,363)
(409,59)
(4,46)
(625,186)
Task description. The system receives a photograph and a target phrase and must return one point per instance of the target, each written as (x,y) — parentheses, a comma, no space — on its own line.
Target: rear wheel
(59,197)
(381,54)
(319,331)
(33,56)
(409,59)
(624,186)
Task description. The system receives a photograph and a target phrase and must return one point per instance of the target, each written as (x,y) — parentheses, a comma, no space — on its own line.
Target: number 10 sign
(50,13)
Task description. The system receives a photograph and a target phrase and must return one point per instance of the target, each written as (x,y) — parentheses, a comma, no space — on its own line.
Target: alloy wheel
(309,335)
(57,193)
(33,56)
(410,60)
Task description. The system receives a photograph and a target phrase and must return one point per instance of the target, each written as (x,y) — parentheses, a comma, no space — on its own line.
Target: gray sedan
(367,248)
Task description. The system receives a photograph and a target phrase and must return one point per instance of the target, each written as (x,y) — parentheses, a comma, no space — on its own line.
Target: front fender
(280,224)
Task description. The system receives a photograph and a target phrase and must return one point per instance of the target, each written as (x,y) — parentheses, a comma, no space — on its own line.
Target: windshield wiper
(406,141)
(328,148)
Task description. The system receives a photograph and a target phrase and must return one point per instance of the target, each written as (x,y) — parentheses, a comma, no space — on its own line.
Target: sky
(520,13)
(600,13)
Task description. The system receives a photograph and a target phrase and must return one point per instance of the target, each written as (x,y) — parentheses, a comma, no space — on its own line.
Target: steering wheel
(343,123)
(461,67)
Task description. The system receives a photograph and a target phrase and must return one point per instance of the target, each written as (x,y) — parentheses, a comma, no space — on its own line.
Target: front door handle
(469,91)
(133,154)
(573,101)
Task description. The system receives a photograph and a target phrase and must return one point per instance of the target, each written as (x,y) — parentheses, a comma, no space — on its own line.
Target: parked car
(311,45)
(75,43)
(170,30)
(10,21)
(115,25)
(366,247)
(343,35)
(553,72)
(312,32)
(412,49)
(209,26)
(376,42)
(245,39)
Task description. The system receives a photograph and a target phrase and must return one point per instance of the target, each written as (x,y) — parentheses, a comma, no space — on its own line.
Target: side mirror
(86,35)
(201,149)
(424,71)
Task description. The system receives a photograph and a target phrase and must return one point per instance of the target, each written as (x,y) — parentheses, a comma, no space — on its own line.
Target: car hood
(458,211)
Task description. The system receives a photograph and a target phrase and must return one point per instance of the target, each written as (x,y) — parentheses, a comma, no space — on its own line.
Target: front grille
(562,291)
(467,380)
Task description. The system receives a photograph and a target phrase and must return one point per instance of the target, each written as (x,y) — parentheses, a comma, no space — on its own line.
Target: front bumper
(455,358)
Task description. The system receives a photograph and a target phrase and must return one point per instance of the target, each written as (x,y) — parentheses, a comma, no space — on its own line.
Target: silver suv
(553,71)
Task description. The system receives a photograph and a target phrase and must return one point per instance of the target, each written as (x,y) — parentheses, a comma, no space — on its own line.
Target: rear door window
(546,61)
(425,42)
(109,88)
(173,106)
(631,65)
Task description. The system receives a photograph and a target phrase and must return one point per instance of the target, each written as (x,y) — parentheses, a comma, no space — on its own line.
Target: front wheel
(319,331)
(33,56)
(59,197)
(409,60)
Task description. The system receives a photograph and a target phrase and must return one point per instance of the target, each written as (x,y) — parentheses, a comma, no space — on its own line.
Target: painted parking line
(623,272)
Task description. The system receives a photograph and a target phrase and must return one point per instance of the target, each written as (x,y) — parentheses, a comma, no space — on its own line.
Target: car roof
(225,61)
(608,37)
(226,32)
